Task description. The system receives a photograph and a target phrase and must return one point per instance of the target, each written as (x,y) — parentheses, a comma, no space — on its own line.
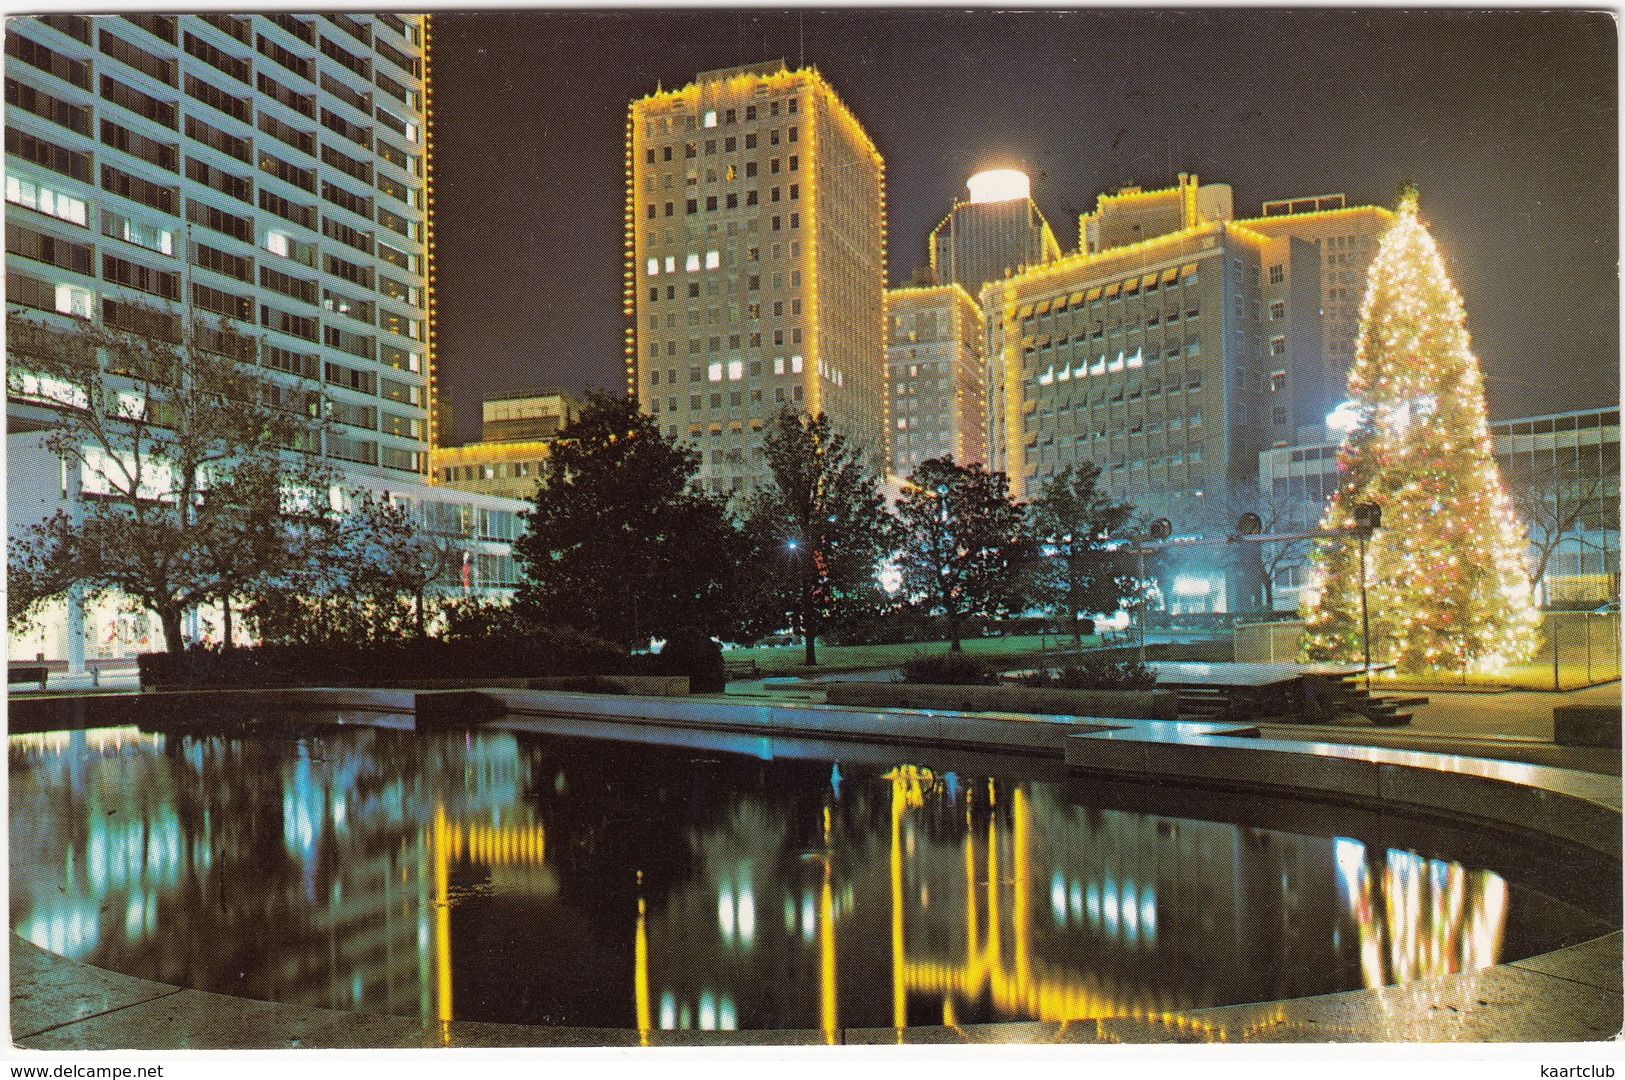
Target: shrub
(949,669)
(414,660)
(691,653)
(1094,673)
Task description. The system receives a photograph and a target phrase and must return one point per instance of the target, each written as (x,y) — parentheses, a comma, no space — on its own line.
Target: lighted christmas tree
(1446,584)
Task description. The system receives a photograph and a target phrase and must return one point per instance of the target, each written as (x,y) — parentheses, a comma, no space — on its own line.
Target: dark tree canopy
(620,543)
(1071,520)
(820,524)
(965,548)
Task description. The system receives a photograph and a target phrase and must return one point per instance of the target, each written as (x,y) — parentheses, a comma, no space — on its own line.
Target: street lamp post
(1367,519)
(1158,531)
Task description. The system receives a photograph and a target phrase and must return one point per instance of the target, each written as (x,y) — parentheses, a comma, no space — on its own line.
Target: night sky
(1507,121)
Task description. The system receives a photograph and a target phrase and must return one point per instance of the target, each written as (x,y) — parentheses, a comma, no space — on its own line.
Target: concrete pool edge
(58,1003)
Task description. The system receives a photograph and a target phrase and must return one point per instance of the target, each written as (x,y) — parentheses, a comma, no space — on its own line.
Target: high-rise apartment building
(997,231)
(756,246)
(934,338)
(267,172)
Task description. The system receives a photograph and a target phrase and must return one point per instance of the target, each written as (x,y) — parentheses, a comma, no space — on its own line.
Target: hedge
(535,655)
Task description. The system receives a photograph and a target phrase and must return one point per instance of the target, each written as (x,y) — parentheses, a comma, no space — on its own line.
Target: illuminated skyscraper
(756,264)
(996,232)
(934,364)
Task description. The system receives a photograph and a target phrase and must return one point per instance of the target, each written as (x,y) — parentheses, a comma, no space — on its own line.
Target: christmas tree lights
(1447,588)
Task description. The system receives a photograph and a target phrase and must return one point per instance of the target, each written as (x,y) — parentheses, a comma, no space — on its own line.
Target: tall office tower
(756,246)
(267,170)
(934,370)
(1312,367)
(995,232)
(1170,351)
(1145,360)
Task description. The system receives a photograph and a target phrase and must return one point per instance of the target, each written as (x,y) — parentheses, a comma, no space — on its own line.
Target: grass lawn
(786,659)
(1532,676)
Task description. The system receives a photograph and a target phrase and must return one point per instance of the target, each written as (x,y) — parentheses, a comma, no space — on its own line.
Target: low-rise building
(1568,462)
(516,433)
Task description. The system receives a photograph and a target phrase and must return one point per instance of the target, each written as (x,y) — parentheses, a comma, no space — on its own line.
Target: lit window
(778,365)
(72,300)
(711,119)
(671,264)
(795,365)
(736,370)
(654,267)
(693,263)
(47,201)
(714,373)
(713,259)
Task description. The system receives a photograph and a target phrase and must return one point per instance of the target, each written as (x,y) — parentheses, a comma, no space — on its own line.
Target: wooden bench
(27,673)
(744,668)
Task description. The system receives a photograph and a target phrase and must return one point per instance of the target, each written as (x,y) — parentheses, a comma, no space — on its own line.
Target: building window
(1277,310)
(1277,274)
(1277,346)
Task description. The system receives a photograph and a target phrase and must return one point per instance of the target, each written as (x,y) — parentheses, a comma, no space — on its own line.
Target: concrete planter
(1123,704)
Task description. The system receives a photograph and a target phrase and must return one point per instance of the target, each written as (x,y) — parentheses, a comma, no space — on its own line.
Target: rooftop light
(999,185)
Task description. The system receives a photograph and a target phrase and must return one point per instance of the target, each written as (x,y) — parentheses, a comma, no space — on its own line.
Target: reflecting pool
(562,880)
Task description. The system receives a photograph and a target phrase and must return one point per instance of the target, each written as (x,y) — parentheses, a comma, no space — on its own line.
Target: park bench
(27,672)
(743,668)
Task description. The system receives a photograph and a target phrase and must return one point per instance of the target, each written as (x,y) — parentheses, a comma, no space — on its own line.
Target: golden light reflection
(441,860)
(492,845)
(826,960)
(641,974)
(1016,989)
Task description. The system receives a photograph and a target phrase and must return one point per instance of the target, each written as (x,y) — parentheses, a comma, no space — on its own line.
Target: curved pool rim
(1578,987)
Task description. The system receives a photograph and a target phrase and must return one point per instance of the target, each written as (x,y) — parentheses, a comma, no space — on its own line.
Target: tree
(365,577)
(1447,588)
(619,542)
(965,547)
(1255,566)
(185,453)
(1556,502)
(822,525)
(1071,520)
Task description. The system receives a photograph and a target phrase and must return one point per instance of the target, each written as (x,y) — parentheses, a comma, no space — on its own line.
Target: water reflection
(555,881)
